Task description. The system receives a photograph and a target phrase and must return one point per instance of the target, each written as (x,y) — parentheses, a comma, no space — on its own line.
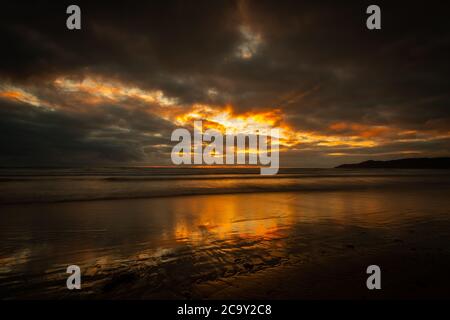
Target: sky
(113,92)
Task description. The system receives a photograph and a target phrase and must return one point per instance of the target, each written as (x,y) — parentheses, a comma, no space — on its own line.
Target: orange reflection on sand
(224,218)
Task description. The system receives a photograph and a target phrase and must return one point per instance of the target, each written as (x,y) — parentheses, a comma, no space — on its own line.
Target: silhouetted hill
(410,163)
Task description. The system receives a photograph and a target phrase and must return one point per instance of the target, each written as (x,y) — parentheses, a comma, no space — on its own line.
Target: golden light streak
(345,154)
(112,90)
(361,130)
(226,120)
(18,94)
(94,90)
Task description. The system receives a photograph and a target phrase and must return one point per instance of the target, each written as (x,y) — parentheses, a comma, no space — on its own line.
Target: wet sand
(405,275)
(285,245)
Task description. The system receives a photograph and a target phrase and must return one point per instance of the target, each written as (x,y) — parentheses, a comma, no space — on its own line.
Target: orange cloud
(14,93)
(112,90)
(93,90)
(361,130)
(225,119)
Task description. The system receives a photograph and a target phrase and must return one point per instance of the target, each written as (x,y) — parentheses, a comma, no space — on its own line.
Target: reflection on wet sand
(196,246)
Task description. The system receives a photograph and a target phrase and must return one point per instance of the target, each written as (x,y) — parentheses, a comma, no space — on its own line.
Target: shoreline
(173,188)
(284,245)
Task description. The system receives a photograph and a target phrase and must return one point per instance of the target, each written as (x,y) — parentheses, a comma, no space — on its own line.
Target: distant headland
(408,163)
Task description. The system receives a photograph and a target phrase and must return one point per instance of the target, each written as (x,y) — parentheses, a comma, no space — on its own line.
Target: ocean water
(28,185)
(196,233)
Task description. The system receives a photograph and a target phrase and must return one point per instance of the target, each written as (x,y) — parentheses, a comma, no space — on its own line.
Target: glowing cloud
(18,94)
(112,90)
(251,42)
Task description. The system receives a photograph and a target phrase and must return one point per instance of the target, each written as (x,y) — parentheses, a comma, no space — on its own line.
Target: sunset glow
(112,90)
(94,90)
(192,154)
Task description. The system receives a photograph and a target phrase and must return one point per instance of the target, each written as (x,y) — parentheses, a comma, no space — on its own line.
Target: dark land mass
(409,163)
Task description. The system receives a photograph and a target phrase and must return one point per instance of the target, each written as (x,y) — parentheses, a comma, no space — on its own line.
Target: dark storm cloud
(158,44)
(372,77)
(314,60)
(37,136)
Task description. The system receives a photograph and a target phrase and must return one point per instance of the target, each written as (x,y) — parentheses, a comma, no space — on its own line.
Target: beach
(306,235)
